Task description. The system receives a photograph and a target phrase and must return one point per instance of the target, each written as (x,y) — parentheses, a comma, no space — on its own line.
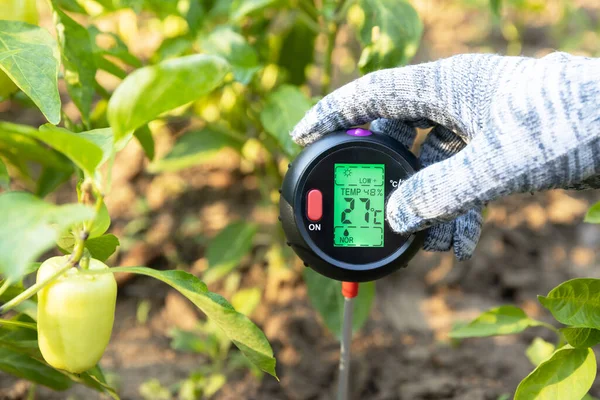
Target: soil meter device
(332,205)
(332,209)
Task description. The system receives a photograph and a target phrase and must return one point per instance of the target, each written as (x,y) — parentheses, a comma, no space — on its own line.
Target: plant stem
(5,286)
(310,8)
(310,23)
(31,392)
(343,10)
(332,30)
(87,227)
(84,263)
(21,324)
(108,178)
(32,290)
(549,326)
(561,340)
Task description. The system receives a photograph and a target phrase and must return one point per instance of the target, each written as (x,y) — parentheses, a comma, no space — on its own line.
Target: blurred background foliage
(198,188)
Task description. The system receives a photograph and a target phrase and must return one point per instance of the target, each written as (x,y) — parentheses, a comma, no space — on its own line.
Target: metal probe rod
(350,291)
(345,350)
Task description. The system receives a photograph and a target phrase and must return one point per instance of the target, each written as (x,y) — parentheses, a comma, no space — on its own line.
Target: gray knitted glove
(502,125)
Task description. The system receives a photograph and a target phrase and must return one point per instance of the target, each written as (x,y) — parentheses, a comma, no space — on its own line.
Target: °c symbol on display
(394,183)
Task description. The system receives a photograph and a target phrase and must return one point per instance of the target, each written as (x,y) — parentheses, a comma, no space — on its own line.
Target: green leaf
(232,46)
(18,146)
(78,61)
(568,374)
(103,138)
(593,214)
(496,7)
(152,389)
(33,267)
(10,292)
(195,15)
(539,350)
(162,8)
(575,303)
(195,148)
(192,342)
(297,51)
(17,333)
(4,178)
(212,384)
(245,301)
(118,49)
(326,296)
(20,324)
(69,5)
(173,48)
(23,341)
(102,247)
(110,67)
(151,91)
(390,32)
(28,228)
(238,328)
(581,337)
(83,152)
(66,242)
(504,320)
(241,8)
(50,179)
(144,137)
(93,379)
(101,222)
(26,367)
(283,110)
(219,10)
(29,56)
(227,249)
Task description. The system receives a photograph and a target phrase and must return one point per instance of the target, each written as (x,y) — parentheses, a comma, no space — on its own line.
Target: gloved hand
(502,125)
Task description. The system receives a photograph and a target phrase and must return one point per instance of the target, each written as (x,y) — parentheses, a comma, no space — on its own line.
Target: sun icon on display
(347,172)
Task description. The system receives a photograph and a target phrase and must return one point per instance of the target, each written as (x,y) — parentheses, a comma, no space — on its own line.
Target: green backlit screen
(358,203)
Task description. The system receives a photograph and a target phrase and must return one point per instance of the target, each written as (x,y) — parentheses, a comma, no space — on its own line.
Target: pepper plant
(565,369)
(240,72)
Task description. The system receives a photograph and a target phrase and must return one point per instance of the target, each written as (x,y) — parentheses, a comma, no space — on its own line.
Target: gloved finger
(593,182)
(396,129)
(467,232)
(422,123)
(409,93)
(441,191)
(440,237)
(440,144)
(462,233)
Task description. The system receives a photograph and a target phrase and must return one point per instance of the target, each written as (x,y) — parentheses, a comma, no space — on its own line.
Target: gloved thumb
(435,194)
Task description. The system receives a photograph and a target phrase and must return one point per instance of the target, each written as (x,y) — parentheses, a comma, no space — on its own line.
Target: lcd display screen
(358,205)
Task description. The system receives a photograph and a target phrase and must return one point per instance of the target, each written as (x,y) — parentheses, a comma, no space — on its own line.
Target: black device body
(313,172)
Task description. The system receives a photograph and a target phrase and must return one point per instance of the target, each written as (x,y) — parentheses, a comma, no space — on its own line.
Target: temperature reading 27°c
(358,205)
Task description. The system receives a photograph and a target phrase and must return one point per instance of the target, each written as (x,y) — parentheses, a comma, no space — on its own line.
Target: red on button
(314,205)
